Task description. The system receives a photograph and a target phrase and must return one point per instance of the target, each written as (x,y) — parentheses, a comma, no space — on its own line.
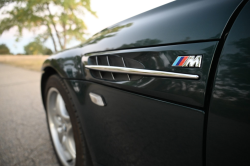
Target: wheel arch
(47,72)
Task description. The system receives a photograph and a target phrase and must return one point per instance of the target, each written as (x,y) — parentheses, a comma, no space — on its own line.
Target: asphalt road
(24,137)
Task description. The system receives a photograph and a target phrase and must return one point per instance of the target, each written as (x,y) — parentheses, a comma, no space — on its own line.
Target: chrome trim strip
(145,72)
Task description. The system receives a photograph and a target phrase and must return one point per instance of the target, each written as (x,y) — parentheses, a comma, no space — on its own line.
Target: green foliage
(62,19)
(47,51)
(36,48)
(4,50)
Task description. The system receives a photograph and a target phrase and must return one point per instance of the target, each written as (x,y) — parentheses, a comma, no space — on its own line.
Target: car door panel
(228,136)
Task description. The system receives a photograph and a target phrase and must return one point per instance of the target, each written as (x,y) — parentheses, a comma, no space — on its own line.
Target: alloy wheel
(60,128)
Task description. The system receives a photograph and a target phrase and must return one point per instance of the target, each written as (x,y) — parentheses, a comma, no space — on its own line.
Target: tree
(4,50)
(36,48)
(61,19)
(47,51)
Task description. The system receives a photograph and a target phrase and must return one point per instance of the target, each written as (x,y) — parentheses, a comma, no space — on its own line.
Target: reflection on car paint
(161,58)
(228,140)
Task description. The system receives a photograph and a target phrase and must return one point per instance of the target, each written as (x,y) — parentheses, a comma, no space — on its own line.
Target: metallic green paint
(187,91)
(136,130)
(176,22)
(67,63)
(180,21)
(228,135)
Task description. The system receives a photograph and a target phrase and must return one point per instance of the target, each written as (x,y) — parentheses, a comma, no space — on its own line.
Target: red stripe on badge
(183,60)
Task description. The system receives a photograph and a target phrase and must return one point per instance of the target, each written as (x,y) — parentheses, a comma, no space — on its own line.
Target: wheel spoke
(70,143)
(60,108)
(60,133)
(66,153)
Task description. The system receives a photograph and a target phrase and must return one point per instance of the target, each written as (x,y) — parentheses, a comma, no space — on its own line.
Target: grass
(31,62)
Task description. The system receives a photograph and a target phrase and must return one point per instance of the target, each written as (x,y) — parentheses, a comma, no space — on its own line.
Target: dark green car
(170,86)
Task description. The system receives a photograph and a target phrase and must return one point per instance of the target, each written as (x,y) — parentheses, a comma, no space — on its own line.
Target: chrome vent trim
(109,65)
(114,60)
(145,72)
(96,58)
(125,66)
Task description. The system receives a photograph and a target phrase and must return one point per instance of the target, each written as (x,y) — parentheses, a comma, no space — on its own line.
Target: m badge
(188,61)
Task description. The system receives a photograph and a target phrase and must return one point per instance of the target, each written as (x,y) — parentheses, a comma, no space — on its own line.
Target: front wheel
(64,125)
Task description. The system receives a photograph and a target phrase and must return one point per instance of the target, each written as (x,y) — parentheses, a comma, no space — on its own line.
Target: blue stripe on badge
(179,61)
(176,61)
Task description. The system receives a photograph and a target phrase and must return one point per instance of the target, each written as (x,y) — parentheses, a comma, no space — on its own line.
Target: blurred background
(43,27)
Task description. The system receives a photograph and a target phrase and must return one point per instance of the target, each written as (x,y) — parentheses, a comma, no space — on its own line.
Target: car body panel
(66,63)
(215,13)
(176,22)
(137,130)
(186,91)
(228,136)
(151,121)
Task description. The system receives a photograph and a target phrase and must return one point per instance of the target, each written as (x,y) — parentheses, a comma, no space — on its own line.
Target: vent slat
(116,61)
(109,65)
(125,66)
(96,58)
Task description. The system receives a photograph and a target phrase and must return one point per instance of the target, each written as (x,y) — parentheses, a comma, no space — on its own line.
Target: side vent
(112,60)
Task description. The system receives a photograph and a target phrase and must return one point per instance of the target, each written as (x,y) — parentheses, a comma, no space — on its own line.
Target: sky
(109,12)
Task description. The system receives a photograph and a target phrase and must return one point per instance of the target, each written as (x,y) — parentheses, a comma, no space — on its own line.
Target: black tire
(81,148)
